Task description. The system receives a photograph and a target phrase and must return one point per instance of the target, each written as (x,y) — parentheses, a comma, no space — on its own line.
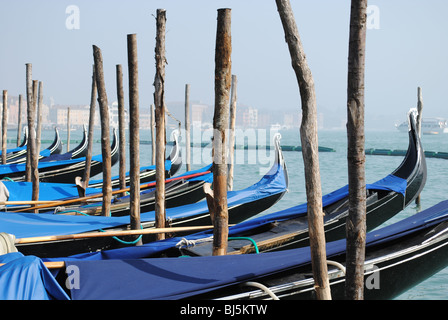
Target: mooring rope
(170,115)
(114,237)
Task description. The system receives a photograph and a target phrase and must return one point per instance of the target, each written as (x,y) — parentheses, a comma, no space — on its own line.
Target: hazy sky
(408,50)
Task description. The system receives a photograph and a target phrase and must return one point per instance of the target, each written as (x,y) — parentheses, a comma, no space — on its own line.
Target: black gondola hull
(76,246)
(381,205)
(389,272)
(236,213)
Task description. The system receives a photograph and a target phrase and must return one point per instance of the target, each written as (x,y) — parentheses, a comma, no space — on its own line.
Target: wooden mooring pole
(19,120)
(419,127)
(4,125)
(68,129)
(29,102)
(134,135)
(82,185)
(121,128)
(105,132)
(153,135)
(309,140)
(356,221)
(223,75)
(34,156)
(39,116)
(187,128)
(159,101)
(232,133)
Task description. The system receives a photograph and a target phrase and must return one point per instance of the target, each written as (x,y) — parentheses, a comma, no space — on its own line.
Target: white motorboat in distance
(429,126)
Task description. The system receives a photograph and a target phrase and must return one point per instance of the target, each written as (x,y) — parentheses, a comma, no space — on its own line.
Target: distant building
(264,120)
(79,115)
(246,117)
(292,119)
(13,111)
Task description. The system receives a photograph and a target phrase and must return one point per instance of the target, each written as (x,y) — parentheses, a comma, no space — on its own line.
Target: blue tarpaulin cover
(32,225)
(14,149)
(176,278)
(391,183)
(56,157)
(22,191)
(27,278)
(21,167)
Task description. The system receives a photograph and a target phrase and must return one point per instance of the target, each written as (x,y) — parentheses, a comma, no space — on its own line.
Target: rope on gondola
(249,239)
(184,242)
(262,287)
(101,230)
(170,115)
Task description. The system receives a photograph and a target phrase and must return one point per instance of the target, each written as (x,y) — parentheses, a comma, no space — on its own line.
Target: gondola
(20,156)
(77,152)
(60,171)
(179,190)
(148,173)
(289,228)
(12,151)
(398,257)
(242,204)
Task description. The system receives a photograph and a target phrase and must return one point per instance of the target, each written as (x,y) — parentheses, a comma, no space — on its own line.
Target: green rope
(7,179)
(246,238)
(114,237)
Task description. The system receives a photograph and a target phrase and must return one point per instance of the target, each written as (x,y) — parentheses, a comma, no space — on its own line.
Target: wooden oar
(49,264)
(109,234)
(61,264)
(98,195)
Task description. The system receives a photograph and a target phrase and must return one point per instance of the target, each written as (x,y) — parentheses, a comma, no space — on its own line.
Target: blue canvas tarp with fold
(27,278)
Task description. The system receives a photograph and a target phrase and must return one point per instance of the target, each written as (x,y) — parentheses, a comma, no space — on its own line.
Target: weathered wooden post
(232,133)
(34,159)
(68,129)
(419,126)
(29,102)
(39,117)
(19,120)
(86,175)
(309,140)
(134,135)
(4,125)
(121,128)
(187,127)
(153,136)
(223,74)
(105,134)
(356,220)
(159,101)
